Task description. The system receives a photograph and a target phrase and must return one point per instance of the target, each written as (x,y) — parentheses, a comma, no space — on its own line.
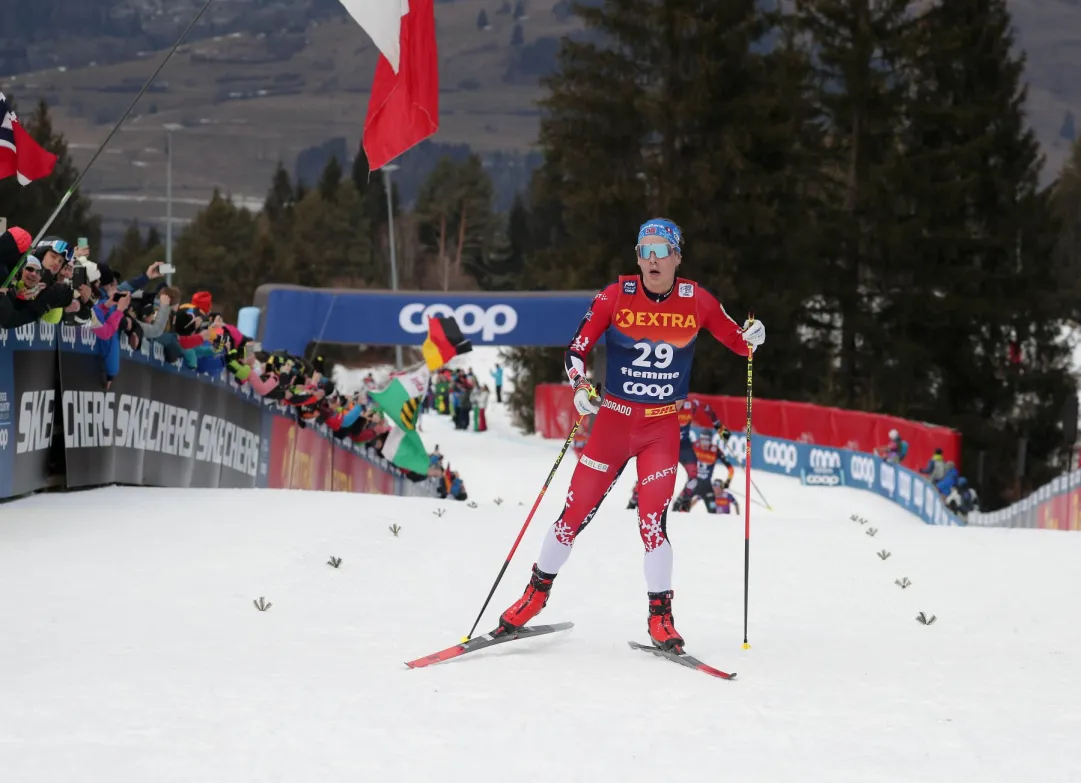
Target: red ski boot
(661,629)
(529,605)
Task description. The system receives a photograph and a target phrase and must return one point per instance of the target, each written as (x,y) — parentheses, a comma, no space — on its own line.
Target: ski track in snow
(131,650)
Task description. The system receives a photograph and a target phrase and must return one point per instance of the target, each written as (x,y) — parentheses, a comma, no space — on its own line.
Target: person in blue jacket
(949,480)
(113,296)
(497,377)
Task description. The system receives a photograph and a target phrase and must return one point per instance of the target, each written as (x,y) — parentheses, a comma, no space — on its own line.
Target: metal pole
(169,205)
(393,249)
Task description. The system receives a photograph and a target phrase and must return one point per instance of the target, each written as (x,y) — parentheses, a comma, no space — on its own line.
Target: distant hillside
(267,80)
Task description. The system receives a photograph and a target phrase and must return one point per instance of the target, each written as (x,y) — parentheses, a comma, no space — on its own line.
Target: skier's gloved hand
(584,396)
(754,333)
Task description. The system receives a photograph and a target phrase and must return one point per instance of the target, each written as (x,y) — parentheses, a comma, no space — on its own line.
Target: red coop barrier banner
(799,421)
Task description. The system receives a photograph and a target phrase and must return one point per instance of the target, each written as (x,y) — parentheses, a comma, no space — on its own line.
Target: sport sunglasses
(656,250)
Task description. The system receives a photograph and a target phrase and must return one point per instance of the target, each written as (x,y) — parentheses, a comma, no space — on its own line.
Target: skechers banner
(157,425)
(27,415)
(293,315)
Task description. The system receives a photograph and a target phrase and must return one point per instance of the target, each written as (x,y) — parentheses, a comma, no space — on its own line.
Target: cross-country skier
(650,322)
(688,412)
(708,447)
(718,500)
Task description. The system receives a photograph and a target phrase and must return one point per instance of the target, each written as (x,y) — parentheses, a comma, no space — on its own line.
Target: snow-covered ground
(131,651)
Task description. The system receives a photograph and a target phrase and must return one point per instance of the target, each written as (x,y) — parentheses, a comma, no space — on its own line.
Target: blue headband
(661,228)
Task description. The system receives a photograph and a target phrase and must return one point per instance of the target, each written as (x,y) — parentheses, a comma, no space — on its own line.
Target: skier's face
(658,265)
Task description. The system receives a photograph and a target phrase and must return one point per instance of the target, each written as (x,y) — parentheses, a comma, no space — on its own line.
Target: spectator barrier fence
(815,465)
(796,421)
(158,425)
(1054,506)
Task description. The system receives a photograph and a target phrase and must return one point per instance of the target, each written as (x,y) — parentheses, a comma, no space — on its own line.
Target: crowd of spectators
(450,484)
(58,283)
(461,396)
(960,498)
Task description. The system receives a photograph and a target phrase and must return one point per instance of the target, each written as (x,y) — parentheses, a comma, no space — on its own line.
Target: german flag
(445,341)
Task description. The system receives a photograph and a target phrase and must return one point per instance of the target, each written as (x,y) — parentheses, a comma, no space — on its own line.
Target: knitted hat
(22,239)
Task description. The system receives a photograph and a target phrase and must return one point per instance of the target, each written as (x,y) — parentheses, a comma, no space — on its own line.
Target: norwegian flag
(20,155)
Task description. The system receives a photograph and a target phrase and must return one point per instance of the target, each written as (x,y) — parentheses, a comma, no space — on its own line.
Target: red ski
(488,640)
(683,660)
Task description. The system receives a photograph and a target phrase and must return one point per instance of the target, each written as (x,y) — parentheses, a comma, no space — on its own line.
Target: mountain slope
(264,80)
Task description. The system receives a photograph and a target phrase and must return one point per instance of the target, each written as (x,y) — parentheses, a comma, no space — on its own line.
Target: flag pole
(78,180)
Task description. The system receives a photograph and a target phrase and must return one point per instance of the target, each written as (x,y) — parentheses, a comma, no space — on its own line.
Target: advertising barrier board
(158,424)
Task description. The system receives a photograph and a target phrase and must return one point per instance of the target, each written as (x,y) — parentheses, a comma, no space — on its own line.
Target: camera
(80,277)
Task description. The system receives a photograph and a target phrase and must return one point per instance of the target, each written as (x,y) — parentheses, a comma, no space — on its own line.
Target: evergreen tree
(858,47)
(482,20)
(128,253)
(330,179)
(215,253)
(982,240)
(373,221)
(1066,206)
(30,206)
(328,249)
(153,240)
(280,203)
(678,109)
(454,209)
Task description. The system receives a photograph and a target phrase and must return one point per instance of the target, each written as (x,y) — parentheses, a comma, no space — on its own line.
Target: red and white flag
(20,155)
(403,109)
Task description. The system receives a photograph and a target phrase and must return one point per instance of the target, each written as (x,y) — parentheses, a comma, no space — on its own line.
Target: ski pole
(766,502)
(747,505)
(528,519)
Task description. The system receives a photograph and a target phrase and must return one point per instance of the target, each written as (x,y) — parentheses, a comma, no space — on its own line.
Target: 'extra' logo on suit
(780,454)
(862,470)
(625,318)
(824,461)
